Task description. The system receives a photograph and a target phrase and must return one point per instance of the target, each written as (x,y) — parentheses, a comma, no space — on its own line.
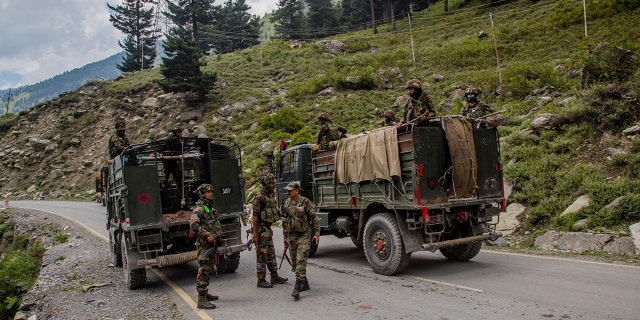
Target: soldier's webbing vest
(211,223)
(334,135)
(296,219)
(270,212)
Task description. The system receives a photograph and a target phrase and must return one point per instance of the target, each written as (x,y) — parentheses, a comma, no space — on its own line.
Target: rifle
(284,255)
(213,251)
(493,114)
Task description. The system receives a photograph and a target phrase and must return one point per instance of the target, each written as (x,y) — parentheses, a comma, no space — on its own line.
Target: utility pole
(9,96)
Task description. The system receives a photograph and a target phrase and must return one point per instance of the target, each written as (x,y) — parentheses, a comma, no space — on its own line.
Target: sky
(40,39)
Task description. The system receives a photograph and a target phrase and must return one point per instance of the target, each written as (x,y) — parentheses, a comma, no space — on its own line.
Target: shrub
(286,120)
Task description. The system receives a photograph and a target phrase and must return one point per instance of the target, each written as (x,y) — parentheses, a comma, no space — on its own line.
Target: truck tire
(463,252)
(134,278)
(383,245)
(230,264)
(115,250)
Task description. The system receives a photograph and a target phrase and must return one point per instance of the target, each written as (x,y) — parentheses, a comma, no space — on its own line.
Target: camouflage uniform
(477,110)
(299,223)
(329,132)
(118,141)
(417,104)
(204,223)
(265,212)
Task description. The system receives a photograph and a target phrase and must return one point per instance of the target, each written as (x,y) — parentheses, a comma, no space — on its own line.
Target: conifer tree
(235,27)
(135,20)
(181,66)
(289,20)
(195,15)
(322,18)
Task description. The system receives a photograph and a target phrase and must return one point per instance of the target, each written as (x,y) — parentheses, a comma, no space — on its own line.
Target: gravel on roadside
(77,279)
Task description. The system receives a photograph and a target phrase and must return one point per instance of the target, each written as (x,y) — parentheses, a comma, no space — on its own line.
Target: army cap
(292,185)
(413,84)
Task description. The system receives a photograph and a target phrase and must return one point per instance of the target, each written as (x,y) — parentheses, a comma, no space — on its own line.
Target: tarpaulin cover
(459,133)
(368,157)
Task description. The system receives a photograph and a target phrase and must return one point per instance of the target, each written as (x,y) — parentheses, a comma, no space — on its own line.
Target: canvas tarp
(368,157)
(459,133)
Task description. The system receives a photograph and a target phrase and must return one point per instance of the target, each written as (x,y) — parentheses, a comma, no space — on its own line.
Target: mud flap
(412,238)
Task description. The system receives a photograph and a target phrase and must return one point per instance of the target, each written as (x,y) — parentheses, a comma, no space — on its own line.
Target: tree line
(199,28)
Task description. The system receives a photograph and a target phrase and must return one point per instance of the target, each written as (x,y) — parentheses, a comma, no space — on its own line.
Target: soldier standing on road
(474,108)
(417,106)
(265,212)
(300,222)
(390,119)
(205,224)
(118,141)
(329,132)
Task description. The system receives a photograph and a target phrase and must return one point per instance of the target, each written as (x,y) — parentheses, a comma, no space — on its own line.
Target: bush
(285,120)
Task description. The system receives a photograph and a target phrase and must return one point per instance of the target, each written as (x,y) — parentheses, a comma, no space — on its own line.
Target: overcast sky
(40,39)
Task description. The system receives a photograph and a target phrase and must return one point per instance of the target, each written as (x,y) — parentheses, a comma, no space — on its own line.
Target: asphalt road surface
(493,285)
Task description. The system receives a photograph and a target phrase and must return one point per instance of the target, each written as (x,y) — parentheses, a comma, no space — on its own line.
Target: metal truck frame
(148,222)
(419,208)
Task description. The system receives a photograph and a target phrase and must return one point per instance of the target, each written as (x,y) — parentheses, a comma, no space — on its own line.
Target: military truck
(395,191)
(148,213)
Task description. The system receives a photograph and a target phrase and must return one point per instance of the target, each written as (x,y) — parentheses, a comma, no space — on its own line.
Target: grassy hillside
(541,44)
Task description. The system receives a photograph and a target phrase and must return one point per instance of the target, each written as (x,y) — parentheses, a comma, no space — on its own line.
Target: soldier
(265,212)
(474,108)
(390,119)
(329,132)
(118,142)
(299,223)
(417,105)
(172,167)
(204,223)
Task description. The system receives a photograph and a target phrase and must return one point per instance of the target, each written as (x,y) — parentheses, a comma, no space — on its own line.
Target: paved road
(493,285)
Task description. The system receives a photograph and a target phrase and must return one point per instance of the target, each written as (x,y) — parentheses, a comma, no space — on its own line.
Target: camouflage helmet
(324,116)
(119,124)
(389,114)
(265,177)
(471,94)
(204,188)
(413,84)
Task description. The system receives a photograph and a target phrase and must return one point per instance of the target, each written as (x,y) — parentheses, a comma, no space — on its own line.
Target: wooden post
(584,9)
(413,52)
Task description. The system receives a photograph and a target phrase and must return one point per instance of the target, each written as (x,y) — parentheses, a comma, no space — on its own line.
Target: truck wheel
(383,245)
(115,250)
(462,252)
(133,278)
(313,247)
(231,263)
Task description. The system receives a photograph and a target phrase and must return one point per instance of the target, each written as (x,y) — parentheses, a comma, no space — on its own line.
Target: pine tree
(235,28)
(322,18)
(181,66)
(196,15)
(289,20)
(136,21)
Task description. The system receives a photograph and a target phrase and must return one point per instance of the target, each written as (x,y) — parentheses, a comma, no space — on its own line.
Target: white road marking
(439,282)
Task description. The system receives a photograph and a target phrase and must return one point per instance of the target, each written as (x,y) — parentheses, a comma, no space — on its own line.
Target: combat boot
(305,285)
(203,303)
(276,279)
(262,283)
(296,289)
(211,297)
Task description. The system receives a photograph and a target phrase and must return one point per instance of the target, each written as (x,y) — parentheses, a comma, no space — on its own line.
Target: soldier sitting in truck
(329,133)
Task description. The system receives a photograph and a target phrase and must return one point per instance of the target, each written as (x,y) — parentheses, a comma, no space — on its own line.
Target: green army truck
(395,191)
(148,213)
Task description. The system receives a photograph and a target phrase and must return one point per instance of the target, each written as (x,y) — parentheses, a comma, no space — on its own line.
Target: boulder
(581,202)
